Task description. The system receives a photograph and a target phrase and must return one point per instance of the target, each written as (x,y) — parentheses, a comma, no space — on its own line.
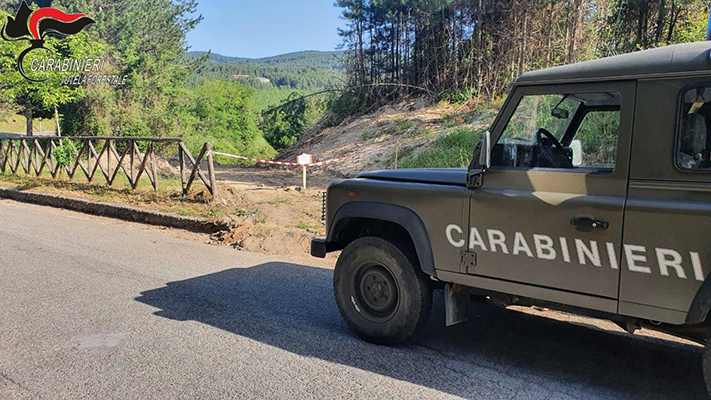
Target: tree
(145,41)
(285,124)
(461,49)
(224,113)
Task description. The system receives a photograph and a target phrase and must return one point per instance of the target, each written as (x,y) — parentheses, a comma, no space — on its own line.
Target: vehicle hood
(436,176)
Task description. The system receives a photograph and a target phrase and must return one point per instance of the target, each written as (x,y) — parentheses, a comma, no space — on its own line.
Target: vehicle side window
(563,131)
(598,135)
(693,142)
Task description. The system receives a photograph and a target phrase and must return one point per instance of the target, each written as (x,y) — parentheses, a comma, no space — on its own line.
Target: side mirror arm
(475,178)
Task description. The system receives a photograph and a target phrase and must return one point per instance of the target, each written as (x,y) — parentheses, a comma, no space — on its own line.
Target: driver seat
(693,142)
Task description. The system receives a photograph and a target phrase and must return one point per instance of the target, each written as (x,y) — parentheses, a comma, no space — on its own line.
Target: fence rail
(34,154)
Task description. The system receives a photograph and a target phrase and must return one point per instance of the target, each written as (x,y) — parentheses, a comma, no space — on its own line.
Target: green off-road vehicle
(590,194)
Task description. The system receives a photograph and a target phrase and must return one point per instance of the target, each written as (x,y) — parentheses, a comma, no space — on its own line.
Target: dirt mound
(373,138)
(272,220)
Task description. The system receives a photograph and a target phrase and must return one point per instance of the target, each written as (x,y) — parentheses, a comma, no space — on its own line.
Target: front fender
(400,215)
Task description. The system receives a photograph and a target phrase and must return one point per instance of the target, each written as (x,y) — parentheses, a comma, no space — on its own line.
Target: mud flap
(456,303)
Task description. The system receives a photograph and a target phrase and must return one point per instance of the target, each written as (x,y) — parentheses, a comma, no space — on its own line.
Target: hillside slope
(370,141)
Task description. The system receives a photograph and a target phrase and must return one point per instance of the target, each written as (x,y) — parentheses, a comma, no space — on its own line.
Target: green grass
(400,125)
(168,198)
(17,124)
(453,150)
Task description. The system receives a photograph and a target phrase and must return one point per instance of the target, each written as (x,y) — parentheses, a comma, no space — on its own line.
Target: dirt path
(280,177)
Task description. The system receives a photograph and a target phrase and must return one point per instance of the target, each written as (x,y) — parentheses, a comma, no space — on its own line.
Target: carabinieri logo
(34,26)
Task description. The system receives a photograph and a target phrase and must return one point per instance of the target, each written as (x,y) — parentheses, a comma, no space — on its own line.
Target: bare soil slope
(370,141)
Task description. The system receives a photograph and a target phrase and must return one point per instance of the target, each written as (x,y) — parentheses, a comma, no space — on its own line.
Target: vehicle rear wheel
(382,296)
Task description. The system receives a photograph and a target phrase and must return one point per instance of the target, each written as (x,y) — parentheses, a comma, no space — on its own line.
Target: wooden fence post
(397,153)
(211,171)
(181,158)
(154,170)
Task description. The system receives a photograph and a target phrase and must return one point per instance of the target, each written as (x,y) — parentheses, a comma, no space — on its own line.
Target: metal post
(303,167)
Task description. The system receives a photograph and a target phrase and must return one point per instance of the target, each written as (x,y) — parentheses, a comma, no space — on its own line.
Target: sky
(249,28)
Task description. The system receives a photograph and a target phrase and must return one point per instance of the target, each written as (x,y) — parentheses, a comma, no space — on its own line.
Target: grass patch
(17,124)
(167,199)
(419,131)
(453,150)
(400,125)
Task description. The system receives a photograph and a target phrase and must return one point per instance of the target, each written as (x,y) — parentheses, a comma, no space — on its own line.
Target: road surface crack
(25,391)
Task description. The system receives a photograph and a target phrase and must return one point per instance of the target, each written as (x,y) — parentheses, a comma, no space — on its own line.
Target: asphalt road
(95,308)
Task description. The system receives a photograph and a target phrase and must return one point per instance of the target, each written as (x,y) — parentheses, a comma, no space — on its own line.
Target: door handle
(590,223)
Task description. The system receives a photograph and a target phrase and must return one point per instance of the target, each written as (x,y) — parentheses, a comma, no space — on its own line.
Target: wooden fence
(34,154)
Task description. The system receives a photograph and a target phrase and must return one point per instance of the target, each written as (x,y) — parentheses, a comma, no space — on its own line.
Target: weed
(419,131)
(401,125)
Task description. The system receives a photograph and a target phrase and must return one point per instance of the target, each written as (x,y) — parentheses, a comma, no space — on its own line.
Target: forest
(473,49)
(307,70)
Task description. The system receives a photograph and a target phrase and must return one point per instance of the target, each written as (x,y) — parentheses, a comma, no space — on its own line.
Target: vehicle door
(549,212)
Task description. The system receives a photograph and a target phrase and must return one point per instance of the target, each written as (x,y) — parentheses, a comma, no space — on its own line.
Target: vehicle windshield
(536,112)
(575,130)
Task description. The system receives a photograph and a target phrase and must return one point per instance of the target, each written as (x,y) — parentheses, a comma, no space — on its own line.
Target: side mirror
(577,147)
(560,113)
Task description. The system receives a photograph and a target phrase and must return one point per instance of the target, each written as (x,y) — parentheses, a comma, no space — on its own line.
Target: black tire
(383,297)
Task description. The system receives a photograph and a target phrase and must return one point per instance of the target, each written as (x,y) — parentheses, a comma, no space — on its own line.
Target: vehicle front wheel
(382,296)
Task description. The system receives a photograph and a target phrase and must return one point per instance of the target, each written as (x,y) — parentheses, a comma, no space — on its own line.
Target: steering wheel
(563,162)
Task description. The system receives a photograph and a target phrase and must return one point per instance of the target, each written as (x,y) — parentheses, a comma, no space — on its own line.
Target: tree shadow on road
(498,354)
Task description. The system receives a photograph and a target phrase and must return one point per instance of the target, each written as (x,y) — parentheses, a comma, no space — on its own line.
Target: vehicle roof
(680,59)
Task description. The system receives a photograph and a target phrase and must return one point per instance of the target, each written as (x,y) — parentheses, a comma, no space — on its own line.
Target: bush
(450,151)
(345,104)
(285,124)
(65,153)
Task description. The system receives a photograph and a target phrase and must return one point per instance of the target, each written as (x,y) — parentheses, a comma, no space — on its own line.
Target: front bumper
(319,248)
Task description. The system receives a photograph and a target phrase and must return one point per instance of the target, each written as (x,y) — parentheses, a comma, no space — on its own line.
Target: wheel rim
(376,292)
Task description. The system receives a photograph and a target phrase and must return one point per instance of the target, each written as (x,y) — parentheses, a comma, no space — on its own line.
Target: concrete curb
(126,213)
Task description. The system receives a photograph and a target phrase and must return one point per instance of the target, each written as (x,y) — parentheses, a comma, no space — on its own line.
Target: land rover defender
(590,193)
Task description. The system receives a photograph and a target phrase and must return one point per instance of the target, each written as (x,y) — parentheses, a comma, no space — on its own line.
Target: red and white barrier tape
(294,164)
(257,160)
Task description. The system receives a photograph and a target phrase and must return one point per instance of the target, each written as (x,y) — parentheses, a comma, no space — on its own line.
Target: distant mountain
(319,59)
(304,70)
